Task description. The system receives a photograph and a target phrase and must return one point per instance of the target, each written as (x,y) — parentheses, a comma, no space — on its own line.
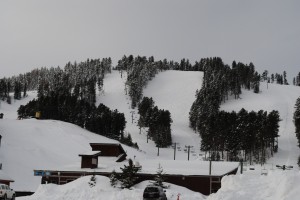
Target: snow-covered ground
(171,90)
(48,144)
(80,189)
(276,186)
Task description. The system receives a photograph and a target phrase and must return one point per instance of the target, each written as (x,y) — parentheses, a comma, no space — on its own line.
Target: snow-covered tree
(159,177)
(114,178)
(128,176)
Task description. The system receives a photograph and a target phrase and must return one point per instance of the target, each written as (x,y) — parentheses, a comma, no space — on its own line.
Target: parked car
(152,192)
(6,192)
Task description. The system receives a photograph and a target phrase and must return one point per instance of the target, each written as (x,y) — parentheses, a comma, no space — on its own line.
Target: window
(151,189)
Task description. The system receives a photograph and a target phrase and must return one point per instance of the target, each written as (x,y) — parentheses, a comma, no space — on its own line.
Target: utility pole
(209,166)
(174,150)
(241,161)
(147,136)
(189,152)
(132,112)
(189,146)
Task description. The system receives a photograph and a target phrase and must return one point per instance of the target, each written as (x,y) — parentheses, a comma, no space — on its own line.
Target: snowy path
(171,90)
(175,91)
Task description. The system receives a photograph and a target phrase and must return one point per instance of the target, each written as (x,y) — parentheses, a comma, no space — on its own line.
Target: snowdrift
(80,189)
(277,185)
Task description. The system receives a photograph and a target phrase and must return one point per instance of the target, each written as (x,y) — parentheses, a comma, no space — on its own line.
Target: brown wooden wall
(107,150)
(200,184)
(86,162)
(203,184)
(6,182)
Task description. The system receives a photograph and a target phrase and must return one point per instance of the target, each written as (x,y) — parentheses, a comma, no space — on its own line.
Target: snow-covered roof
(105,143)
(90,153)
(4,176)
(182,167)
(174,167)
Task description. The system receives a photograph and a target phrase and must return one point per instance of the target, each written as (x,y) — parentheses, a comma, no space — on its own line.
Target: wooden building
(4,179)
(90,159)
(194,175)
(110,150)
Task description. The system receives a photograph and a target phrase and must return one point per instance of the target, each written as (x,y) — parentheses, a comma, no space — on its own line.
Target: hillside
(171,90)
(32,144)
(274,97)
(40,144)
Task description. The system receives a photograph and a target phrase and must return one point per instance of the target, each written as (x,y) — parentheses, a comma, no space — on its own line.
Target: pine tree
(144,109)
(272,78)
(284,78)
(25,90)
(92,181)
(297,119)
(159,177)
(265,75)
(17,90)
(128,176)
(256,79)
(114,178)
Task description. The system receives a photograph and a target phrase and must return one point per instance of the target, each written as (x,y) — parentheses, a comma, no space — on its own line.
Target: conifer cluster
(140,71)
(127,178)
(253,133)
(158,121)
(296,80)
(70,95)
(297,119)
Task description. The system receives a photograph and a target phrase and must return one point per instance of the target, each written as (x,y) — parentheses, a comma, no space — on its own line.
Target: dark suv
(152,192)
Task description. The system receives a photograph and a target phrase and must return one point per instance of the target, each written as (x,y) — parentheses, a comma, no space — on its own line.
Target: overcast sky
(36,33)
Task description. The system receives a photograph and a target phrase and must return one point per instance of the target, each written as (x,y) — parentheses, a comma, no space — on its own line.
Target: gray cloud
(36,33)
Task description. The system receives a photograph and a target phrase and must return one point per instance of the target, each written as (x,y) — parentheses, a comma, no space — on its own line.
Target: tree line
(8,85)
(253,133)
(157,121)
(70,95)
(297,123)
(83,77)
(275,78)
(220,81)
(246,135)
(296,80)
(67,107)
(140,70)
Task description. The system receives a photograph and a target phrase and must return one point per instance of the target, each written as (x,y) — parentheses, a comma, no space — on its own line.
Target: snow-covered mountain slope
(48,144)
(171,90)
(274,97)
(42,144)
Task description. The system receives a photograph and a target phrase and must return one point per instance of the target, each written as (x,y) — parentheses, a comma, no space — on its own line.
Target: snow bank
(80,190)
(277,185)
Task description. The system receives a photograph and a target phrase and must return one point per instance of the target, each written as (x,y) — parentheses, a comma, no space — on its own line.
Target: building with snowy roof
(200,176)
(5,179)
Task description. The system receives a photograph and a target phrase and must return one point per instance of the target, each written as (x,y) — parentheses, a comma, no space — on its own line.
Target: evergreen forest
(69,94)
(243,135)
